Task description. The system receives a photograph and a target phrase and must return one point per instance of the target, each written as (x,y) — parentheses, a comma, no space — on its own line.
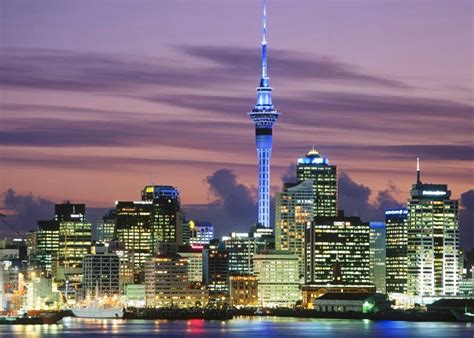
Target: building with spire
(433,251)
(264,115)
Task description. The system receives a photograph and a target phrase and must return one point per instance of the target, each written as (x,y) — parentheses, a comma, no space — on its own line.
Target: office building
(215,268)
(134,229)
(167,284)
(324,176)
(294,210)
(105,230)
(377,256)
(201,233)
(433,252)
(342,240)
(396,250)
(277,275)
(101,274)
(243,290)
(193,256)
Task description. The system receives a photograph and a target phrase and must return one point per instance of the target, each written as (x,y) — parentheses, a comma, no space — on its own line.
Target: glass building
(377,256)
(433,251)
(396,250)
(342,240)
(294,209)
(324,176)
(105,230)
(277,275)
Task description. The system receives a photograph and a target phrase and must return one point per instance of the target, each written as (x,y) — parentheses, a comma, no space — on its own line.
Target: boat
(97,312)
(40,319)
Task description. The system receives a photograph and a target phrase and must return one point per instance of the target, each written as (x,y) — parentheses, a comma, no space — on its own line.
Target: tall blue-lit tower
(264,115)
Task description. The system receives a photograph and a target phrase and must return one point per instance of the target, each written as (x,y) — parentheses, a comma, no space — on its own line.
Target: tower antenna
(418,178)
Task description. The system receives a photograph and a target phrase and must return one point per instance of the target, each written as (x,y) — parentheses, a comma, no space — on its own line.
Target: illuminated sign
(149,189)
(197,246)
(317,160)
(433,193)
(397,212)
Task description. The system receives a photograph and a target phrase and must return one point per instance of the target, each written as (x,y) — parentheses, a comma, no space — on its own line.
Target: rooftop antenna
(264,42)
(418,179)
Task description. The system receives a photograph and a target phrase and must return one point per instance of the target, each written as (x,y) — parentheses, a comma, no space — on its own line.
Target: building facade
(342,240)
(101,274)
(167,284)
(277,275)
(433,251)
(243,290)
(294,209)
(324,177)
(378,271)
(396,250)
(215,270)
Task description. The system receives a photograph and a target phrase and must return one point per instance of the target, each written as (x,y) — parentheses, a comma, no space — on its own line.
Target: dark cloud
(354,199)
(234,208)
(25,210)
(287,64)
(60,70)
(466,217)
(289,175)
(36,68)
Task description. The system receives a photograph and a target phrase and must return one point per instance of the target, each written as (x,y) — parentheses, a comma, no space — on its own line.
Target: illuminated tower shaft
(264,116)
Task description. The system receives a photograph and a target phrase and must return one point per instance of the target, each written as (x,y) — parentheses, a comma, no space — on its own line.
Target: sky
(99,98)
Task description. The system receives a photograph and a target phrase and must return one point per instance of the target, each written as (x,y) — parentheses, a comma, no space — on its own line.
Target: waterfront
(274,327)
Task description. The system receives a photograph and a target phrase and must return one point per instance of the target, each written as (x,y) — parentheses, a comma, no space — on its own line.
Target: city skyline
(372,221)
(113,103)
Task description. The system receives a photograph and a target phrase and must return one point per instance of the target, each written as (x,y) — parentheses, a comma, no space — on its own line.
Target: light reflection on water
(247,327)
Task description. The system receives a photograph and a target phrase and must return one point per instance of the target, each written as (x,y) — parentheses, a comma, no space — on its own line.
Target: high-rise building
(193,256)
(101,274)
(215,272)
(324,176)
(342,241)
(294,209)
(377,256)
(47,244)
(167,284)
(75,234)
(167,217)
(433,252)
(201,233)
(105,230)
(277,274)
(264,115)
(134,229)
(396,250)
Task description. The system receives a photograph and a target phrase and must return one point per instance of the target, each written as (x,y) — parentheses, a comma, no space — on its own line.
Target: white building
(278,282)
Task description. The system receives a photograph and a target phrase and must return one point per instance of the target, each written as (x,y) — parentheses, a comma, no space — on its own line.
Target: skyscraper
(337,244)
(378,256)
(396,250)
(433,250)
(324,176)
(264,115)
(294,209)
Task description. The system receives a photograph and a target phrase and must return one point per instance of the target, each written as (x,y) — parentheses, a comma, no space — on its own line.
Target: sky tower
(264,116)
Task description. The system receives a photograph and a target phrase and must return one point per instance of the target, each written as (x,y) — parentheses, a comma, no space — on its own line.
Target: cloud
(36,68)
(354,199)
(25,210)
(287,64)
(466,217)
(234,209)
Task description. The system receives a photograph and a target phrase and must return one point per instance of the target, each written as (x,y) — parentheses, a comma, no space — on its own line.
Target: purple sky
(99,98)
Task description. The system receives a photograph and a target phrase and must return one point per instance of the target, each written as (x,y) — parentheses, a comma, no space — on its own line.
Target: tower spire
(418,179)
(264,47)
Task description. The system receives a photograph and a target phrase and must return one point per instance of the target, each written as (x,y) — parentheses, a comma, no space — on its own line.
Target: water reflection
(247,327)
